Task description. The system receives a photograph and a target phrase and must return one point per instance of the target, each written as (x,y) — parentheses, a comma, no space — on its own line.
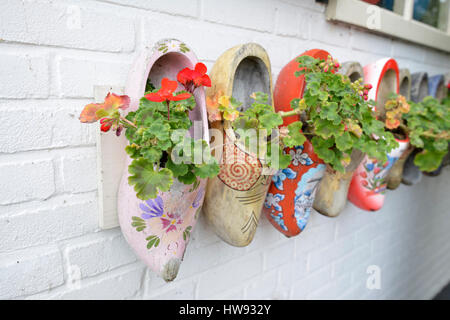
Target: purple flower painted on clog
(198,198)
(281,175)
(152,208)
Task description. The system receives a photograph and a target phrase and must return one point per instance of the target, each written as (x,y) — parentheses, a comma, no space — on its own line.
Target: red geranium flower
(166,92)
(192,79)
(106,124)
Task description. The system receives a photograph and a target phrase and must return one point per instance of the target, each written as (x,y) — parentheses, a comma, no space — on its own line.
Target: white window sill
(380,20)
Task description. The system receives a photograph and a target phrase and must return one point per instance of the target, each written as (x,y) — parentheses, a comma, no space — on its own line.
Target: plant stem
(168,109)
(128,122)
(294,112)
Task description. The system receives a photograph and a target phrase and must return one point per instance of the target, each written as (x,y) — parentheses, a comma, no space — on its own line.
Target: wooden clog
(368,184)
(394,177)
(235,197)
(292,191)
(419,90)
(158,230)
(331,196)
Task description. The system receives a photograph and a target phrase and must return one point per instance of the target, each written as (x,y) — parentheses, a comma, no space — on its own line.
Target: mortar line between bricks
(54,197)
(61,289)
(136,8)
(50,151)
(54,46)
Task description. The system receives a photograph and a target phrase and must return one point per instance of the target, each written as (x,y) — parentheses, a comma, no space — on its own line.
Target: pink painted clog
(158,230)
(368,184)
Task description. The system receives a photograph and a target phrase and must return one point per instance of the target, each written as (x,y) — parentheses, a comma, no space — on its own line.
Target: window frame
(399,24)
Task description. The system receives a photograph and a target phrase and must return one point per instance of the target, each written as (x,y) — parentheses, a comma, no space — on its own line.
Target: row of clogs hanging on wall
(234,200)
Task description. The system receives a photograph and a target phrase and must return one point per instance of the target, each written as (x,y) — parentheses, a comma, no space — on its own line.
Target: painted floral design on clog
(291,194)
(281,175)
(368,184)
(300,157)
(374,174)
(278,218)
(294,182)
(159,229)
(272,201)
(304,194)
(152,208)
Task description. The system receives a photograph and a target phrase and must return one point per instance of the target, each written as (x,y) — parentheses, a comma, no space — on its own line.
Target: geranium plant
(338,117)
(427,124)
(157,131)
(256,127)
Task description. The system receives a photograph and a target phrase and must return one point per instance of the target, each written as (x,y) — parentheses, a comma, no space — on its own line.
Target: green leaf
(207,170)
(330,112)
(270,120)
(344,141)
(295,138)
(177,169)
(152,154)
(146,181)
(322,148)
(160,130)
(440,144)
(327,129)
(132,151)
(188,178)
(429,160)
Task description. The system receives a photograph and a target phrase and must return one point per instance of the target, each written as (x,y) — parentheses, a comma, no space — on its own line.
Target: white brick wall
(52,53)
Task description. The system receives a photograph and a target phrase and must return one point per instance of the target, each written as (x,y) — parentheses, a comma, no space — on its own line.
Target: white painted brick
(311,282)
(48,195)
(78,76)
(41,226)
(177,7)
(30,271)
(179,290)
(346,263)
(292,21)
(34,125)
(233,294)
(98,253)
(75,171)
(24,76)
(314,237)
(321,256)
(229,274)
(121,284)
(26,181)
(328,32)
(308,4)
(279,255)
(64,24)
(265,287)
(332,289)
(252,14)
(203,258)
(402,49)
(370,42)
